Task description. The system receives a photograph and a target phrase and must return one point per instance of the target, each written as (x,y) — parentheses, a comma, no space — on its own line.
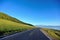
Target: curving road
(35,34)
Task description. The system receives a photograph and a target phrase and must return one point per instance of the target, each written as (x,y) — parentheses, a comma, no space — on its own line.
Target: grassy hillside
(54,34)
(10,25)
(7,17)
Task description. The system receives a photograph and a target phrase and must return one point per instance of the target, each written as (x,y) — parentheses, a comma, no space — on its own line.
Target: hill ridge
(7,17)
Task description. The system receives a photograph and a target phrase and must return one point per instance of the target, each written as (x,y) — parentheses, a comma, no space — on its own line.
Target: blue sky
(37,12)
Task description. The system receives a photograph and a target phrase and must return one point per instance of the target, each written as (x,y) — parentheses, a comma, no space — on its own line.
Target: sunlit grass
(55,34)
(9,27)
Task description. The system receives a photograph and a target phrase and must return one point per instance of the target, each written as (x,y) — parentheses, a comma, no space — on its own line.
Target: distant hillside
(7,17)
(49,26)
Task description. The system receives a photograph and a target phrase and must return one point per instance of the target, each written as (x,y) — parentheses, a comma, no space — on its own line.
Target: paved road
(35,34)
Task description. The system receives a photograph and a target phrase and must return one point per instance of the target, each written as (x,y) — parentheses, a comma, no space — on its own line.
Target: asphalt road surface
(35,34)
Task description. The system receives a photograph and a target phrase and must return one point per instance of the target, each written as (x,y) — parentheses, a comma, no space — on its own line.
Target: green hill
(10,25)
(7,17)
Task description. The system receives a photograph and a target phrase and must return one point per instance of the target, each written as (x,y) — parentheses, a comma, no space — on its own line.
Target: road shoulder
(46,34)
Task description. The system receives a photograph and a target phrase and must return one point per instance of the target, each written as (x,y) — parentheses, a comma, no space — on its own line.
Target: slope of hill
(7,17)
(10,25)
